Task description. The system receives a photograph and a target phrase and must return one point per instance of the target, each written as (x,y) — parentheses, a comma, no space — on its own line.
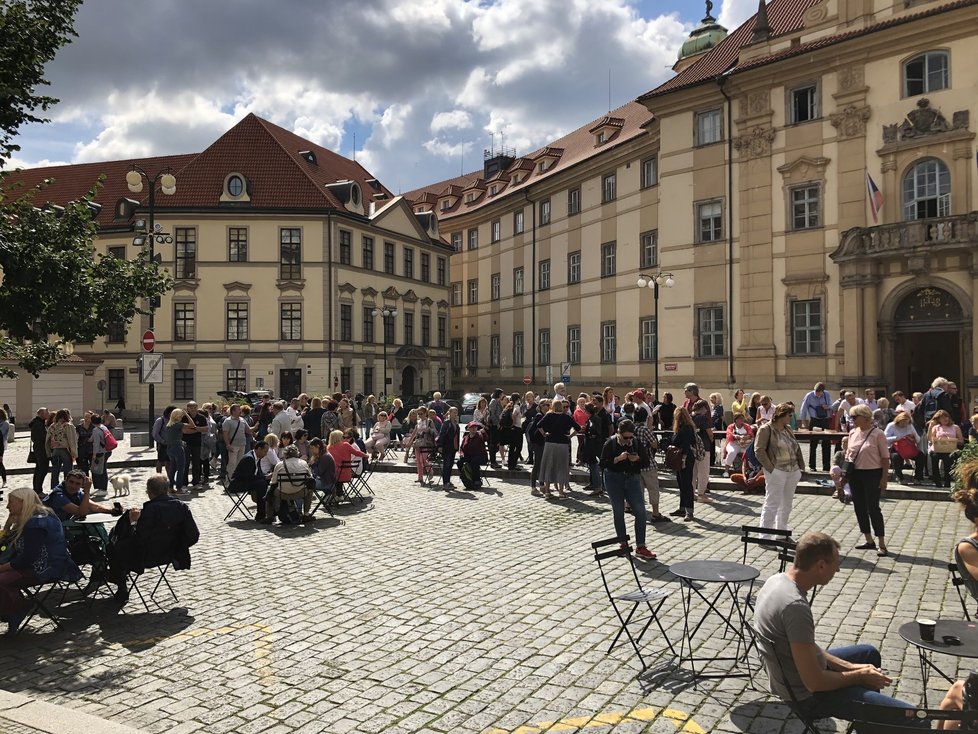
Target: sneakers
(643,552)
(536,492)
(688,517)
(677,513)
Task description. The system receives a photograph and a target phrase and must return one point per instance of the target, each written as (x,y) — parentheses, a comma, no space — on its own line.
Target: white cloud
(735,12)
(454,120)
(444,149)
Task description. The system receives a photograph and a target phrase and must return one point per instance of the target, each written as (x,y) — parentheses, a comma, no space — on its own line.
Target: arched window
(927,190)
(926,73)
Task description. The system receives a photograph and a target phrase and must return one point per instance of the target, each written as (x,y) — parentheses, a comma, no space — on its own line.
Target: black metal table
(729,576)
(966,631)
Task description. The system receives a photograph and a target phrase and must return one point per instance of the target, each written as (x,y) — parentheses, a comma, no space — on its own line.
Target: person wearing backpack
(101,449)
(935,399)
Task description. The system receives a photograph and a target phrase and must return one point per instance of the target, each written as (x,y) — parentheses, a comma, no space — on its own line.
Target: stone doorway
(929,330)
(408,381)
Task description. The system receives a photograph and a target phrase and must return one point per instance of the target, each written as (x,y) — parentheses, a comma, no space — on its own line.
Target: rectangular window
(518,281)
(408,327)
(650,172)
(574,344)
(368,380)
(425,267)
(649,250)
(709,221)
(425,330)
(803,103)
(518,221)
(346,322)
(367,256)
(574,267)
(116,333)
(494,350)
(183,384)
(186,252)
(609,187)
(290,243)
(237,321)
(117,384)
(119,253)
(709,127)
(806,327)
(408,262)
(926,73)
(442,331)
(646,338)
(456,294)
(609,342)
(544,343)
(442,271)
(457,241)
(346,378)
(389,258)
(389,329)
(574,201)
(518,349)
(494,286)
(184,322)
(473,352)
(544,212)
(495,230)
(609,256)
(473,239)
(805,207)
(291,322)
(368,325)
(456,354)
(544,275)
(709,320)
(236,379)
(346,247)
(237,244)
(473,291)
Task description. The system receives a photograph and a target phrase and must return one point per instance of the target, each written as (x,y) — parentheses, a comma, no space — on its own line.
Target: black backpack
(506,419)
(929,404)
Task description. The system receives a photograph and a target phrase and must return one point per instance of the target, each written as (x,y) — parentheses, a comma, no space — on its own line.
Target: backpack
(506,419)
(109,440)
(699,450)
(929,404)
(467,474)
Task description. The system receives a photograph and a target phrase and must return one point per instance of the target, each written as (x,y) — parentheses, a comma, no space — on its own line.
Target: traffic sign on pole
(149,340)
(527,380)
(151,368)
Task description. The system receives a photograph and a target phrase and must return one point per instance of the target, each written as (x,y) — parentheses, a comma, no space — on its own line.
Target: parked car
(469,402)
(252,397)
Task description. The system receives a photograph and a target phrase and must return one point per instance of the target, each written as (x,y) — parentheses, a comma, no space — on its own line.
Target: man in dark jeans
(198,421)
(248,478)
(816,412)
(42,462)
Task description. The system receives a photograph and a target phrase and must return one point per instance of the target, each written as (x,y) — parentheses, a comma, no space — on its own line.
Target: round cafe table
(965,630)
(729,577)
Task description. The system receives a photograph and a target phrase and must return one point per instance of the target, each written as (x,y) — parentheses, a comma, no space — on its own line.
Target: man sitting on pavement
(70,499)
(248,478)
(821,683)
(161,533)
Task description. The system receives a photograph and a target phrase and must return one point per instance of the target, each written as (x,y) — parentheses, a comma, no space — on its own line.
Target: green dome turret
(702,39)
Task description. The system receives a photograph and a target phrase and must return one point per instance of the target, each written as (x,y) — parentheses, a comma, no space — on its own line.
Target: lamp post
(154,234)
(387,313)
(653,282)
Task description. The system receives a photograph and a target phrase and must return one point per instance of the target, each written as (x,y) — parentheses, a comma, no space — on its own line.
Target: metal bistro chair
(237,502)
(782,542)
(133,578)
(604,551)
(363,478)
(875,719)
(792,703)
(957,583)
(351,490)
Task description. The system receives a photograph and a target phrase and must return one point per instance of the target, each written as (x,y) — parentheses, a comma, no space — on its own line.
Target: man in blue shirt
(816,412)
(70,499)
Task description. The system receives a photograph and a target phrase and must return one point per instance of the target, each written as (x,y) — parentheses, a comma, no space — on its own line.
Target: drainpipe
(533,291)
(721,83)
(329,303)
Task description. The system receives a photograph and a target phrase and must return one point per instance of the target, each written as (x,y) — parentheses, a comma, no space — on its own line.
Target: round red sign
(527,380)
(149,341)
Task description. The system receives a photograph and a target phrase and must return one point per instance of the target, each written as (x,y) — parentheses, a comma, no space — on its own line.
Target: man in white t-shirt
(902,403)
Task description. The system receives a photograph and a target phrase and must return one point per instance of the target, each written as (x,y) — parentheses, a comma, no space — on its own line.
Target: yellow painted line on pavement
(680,719)
(263,644)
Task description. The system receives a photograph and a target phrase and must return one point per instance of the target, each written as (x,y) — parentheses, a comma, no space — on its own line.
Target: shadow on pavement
(757,717)
(140,630)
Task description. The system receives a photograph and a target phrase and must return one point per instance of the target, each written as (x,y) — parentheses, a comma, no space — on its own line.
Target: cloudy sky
(422,85)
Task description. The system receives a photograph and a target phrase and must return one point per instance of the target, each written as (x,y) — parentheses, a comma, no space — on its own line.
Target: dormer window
(542,167)
(235,186)
(355,195)
(236,189)
(446,204)
(516,179)
(493,190)
(308,155)
(469,198)
(600,138)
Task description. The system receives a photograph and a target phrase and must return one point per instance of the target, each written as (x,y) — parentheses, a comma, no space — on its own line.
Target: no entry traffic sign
(149,341)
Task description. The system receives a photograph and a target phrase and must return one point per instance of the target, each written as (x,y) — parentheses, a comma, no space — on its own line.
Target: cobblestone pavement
(464,612)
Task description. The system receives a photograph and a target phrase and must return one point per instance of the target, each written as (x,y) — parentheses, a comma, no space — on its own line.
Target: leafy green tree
(54,289)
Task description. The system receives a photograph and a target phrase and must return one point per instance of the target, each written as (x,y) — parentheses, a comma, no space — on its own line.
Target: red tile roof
(573,148)
(784,17)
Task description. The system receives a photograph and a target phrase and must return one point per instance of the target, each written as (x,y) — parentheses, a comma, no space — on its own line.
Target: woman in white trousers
(779,454)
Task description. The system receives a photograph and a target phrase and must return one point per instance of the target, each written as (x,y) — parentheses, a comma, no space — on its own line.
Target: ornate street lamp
(387,313)
(654,282)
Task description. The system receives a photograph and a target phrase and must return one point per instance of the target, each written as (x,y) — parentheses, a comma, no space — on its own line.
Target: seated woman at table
(380,436)
(40,553)
(739,436)
(70,499)
(902,439)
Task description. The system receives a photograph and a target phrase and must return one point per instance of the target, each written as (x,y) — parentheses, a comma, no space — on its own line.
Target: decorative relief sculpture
(756,143)
(851,122)
(924,121)
(852,77)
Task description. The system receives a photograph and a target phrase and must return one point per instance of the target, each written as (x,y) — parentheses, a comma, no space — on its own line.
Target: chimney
(762,29)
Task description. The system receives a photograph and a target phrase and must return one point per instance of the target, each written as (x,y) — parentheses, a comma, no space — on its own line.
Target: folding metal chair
(755,535)
(957,583)
(362,479)
(792,703)
(133,579)
(637,596)
(351,489)
(238,503)
(876,719)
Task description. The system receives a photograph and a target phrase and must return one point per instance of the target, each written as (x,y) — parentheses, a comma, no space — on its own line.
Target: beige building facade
(281,253)
(746,178)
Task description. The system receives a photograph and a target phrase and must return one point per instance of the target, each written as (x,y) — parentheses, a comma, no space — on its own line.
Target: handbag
(906,447)
(945,445)
(849,467)
(675,458)
(31,457)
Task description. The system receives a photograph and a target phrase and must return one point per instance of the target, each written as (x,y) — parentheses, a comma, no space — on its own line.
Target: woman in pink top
(944,438)
(342,452)
(867,449)
(580,418)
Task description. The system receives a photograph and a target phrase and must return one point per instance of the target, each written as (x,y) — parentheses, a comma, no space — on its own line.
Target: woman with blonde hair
(176,469)
(739,404)
(268,464)
(870,461)
(40,553)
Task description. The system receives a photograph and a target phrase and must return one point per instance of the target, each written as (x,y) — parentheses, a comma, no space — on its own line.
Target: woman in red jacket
(342,453)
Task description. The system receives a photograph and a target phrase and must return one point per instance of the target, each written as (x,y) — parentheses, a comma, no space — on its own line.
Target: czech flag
(875,197)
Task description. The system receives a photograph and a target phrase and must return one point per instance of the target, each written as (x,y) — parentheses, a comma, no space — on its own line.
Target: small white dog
(120,484)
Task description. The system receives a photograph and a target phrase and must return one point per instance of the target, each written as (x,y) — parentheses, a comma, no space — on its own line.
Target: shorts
(161,452)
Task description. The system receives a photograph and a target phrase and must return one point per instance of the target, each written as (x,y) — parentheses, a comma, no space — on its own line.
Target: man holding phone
(622,459)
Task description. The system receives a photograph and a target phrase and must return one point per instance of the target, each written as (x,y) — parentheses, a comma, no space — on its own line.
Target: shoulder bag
(849,467)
